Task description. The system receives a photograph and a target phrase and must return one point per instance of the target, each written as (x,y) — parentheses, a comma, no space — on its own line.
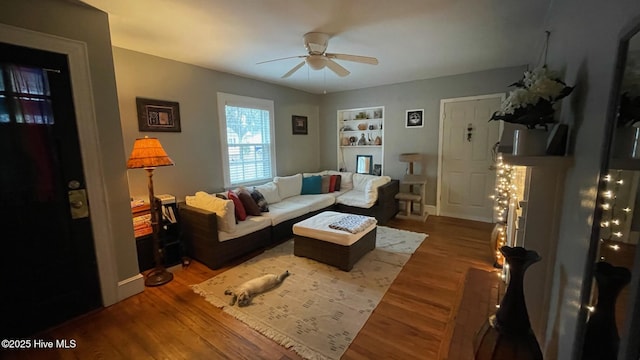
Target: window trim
(225,99)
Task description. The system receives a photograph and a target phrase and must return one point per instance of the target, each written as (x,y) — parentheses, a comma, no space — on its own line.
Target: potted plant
(531,104)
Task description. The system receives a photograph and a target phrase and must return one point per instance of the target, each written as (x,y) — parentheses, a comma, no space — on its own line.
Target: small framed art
(299,125)
(158,115)
(414,118)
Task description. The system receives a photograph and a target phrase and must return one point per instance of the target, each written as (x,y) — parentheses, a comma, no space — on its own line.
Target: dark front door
(48,262)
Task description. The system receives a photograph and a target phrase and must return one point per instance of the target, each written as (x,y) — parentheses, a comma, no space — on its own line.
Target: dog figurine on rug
(247,290)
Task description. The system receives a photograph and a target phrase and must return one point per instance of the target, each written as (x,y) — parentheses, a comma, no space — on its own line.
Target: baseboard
(131,286)
(431,209)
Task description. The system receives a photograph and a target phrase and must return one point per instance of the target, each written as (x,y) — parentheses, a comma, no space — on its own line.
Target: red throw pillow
(332,183)
(241,213)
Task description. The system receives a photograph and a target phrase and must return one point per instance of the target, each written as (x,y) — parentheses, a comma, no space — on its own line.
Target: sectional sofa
(212,235)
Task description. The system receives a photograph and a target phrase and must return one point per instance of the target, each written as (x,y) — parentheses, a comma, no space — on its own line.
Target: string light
(504,194)
(613,217)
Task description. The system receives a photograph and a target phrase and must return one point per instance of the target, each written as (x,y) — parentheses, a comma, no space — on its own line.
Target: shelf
(356,120)
(360,146)
(546,161)
(359,131)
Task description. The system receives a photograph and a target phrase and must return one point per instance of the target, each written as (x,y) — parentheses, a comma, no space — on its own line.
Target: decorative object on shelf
(377,114)
(362,140)
(601,340)
(362,126)
(299,125)
(363,164)
(344,141)
(352,140)
(509,331)
(377,169)
(158,115)
(530,142)
(414,118)
(148,154)
(378,140)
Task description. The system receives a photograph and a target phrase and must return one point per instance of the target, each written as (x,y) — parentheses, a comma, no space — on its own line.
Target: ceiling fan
(316,45)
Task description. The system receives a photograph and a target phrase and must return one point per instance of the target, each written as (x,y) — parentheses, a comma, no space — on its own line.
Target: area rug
(318,310)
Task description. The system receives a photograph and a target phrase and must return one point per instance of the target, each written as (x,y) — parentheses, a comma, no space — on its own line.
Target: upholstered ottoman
(314,239)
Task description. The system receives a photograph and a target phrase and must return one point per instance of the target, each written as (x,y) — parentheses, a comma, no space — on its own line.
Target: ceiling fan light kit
(317,58)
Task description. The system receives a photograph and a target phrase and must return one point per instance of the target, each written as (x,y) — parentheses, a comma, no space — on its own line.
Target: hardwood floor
(415,319)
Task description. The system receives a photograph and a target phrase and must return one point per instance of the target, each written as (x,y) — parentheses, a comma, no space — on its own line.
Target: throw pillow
(326,179)
(223,209)
(312,185)
(270,192)
(241,213)
(338,182)
(260,200)
(332,183)
(288,186)
(250,206)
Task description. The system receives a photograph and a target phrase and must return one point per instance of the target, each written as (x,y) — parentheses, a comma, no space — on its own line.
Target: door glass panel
(25,92)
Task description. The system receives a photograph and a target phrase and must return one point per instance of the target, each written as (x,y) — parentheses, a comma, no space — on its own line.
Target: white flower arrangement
(531,103)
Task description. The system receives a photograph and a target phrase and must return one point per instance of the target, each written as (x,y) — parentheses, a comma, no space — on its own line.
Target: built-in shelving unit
(361,132)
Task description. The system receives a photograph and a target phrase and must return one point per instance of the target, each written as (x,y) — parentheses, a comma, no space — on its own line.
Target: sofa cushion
(250,206)
(224,209)
(312,185)
(241,213)
(259,199)
(324,172)
(250,225)
(297,206)
(270,192)
(354,198)
(288,186)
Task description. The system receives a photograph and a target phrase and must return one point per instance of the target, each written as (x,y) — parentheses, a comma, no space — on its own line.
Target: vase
(530,142)
(626,144)
(601,338)
(508,333)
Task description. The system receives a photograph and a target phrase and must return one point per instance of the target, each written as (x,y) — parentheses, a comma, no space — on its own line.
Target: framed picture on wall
(414,118)
(158,115)
(299,125)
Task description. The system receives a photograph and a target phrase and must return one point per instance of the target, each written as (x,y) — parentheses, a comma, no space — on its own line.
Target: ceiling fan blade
(293,70)
(284,58)
(354,58)
(337,68)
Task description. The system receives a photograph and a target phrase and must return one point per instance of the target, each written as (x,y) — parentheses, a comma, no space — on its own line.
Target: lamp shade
(148,153)
(410,157)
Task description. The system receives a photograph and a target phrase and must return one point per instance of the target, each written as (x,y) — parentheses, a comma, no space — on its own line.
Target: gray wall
(583,44)
(397,98)
(196,150)
(77,21)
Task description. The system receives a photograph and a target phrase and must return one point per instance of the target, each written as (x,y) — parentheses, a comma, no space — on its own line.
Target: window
(247,139)
(24,95)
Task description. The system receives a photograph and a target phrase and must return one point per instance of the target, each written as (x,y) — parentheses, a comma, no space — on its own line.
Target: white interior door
(466,180)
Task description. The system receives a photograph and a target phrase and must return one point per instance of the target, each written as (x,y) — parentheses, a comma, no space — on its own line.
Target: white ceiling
(412,39)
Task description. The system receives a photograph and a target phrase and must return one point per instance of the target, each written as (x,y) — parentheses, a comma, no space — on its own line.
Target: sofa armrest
(199,228)
(387,193)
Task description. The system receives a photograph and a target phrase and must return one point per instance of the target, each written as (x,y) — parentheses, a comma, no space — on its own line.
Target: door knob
(78,204)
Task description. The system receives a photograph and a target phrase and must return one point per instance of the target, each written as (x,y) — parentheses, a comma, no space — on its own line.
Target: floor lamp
(148,154)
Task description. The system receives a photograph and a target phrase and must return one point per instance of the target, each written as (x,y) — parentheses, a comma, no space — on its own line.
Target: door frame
(89,144)
(443,102)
